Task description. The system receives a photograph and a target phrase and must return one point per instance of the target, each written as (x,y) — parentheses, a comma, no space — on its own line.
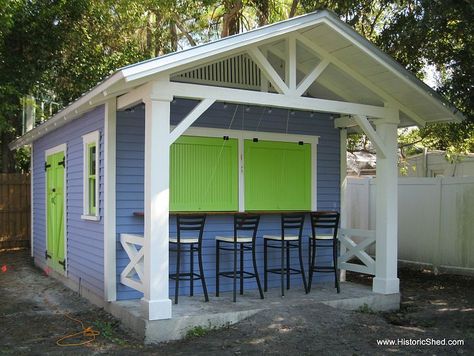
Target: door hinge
(46,166)
(63,162)
(63,263)
(46,256)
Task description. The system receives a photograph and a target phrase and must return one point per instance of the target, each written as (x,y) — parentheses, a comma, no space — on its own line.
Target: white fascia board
(211,49)
(71,112)
(393,66)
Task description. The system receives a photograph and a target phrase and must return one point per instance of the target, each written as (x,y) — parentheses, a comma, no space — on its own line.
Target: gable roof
(384,76)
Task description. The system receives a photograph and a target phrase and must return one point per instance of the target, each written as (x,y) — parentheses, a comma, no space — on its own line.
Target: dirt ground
(434,308)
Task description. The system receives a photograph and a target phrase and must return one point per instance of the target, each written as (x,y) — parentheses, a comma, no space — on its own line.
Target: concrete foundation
(219,312)
(193,312)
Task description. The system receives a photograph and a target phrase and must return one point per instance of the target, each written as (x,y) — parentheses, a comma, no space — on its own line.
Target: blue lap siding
(85,239)
(130,185)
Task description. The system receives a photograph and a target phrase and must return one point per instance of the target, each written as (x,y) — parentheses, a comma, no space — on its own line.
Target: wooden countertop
(261,212)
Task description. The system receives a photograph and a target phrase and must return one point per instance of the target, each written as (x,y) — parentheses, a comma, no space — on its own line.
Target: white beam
(291,64)
(344,67)
(344,122)
(133,97)
(239,96)
(311,77)
(32,201)
(190,119)
(373,136)
(386,219)
(156,302)
(110,240)
(268,70)
(343,186)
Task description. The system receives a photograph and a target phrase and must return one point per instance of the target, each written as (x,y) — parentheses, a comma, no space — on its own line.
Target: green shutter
(204,174)
(277,175)
(55,210)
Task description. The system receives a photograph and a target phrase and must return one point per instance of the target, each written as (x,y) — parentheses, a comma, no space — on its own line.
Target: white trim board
(49,152)
(32,203)
(109,213)
(91,137)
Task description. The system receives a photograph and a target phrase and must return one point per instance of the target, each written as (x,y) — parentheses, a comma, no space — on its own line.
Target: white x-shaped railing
(354,243)
(132,275)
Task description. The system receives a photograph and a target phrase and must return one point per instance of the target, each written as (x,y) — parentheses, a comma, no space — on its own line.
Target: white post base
(385,286)
(156,309)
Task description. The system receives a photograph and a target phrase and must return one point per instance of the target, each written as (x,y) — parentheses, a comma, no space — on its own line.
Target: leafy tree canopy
(58,49)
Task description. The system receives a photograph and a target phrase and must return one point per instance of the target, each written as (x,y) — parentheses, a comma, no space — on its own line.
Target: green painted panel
(277,175)
(204,174)
(91,181)
(55,210)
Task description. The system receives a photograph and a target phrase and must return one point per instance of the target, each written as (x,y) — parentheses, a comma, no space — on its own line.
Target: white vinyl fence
(435,219)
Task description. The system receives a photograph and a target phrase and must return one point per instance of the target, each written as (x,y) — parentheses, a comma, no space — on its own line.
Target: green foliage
(365,309)
(441,34)
(108,330)
(59,49)
(198,331)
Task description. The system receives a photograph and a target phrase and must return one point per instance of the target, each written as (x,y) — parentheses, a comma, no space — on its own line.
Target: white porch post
(156,302)
(386,280)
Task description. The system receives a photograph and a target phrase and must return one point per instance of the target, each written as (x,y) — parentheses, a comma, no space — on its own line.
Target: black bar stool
(328,221)
(245,234)
(180,244)
(292,222)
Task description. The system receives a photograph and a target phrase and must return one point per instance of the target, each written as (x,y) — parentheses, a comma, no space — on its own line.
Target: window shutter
(277,175)
(204,174)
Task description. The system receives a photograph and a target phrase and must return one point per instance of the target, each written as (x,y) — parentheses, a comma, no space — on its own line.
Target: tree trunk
(263,11)
(294,6)
(231,18)
(7,155)
(174,36)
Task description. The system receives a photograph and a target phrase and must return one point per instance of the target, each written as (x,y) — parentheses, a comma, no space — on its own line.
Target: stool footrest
(185,276)
(230,274)
(278,271)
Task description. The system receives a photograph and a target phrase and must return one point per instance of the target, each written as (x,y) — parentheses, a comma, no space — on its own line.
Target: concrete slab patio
(192,312)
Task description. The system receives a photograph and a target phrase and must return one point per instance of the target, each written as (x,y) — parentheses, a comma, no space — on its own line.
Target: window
(232,170)
(277,175)
(204,174)
(91,176)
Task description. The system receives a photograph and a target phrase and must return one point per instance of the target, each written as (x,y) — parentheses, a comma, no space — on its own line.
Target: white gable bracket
(311,77)
(190,119)
(291,64)
(365,125)
(267,69)
(361,79)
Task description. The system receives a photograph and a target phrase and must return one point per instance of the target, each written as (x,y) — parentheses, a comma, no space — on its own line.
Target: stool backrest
(193,222)
(246,222)
(292,221)
(325,220)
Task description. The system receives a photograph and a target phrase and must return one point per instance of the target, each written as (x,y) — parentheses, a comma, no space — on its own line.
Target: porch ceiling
(346,68)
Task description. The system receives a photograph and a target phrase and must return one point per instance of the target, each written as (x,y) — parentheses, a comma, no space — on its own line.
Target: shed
(115,151)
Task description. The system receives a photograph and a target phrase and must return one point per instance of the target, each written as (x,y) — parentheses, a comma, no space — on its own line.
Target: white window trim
(92,137)
(242,135)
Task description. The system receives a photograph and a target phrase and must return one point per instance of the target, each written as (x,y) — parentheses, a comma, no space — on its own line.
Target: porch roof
(355,71)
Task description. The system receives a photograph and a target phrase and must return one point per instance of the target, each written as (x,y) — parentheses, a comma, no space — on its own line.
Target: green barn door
(55,164)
